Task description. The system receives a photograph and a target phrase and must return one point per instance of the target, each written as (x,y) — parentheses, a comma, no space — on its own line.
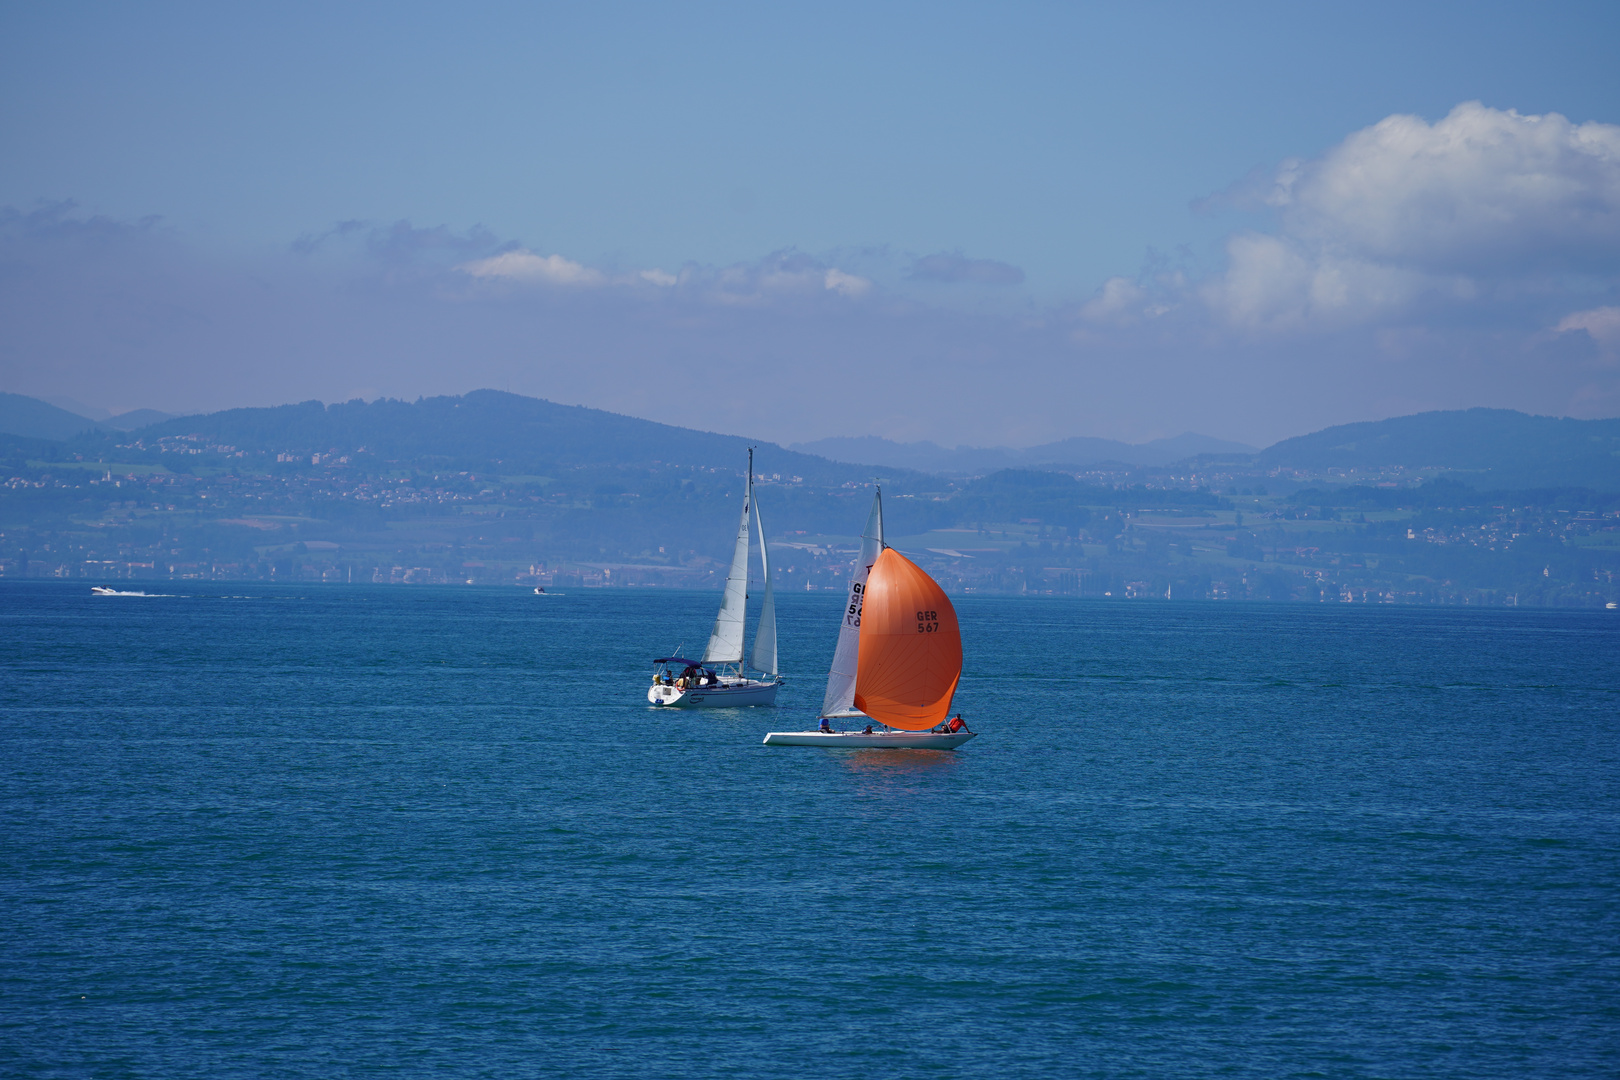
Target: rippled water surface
(327,832)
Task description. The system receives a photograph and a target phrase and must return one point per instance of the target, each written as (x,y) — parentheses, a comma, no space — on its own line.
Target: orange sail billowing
(911,649)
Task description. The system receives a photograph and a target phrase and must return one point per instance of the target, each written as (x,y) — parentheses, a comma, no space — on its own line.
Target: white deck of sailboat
(890,740)
(726,693)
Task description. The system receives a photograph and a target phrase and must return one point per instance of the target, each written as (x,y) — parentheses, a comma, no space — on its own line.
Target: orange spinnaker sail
(911,649)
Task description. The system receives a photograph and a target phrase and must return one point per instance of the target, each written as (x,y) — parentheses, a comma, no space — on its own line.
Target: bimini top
(681,660)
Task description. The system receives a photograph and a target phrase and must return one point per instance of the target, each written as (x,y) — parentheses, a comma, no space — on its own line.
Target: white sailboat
(897,661)
(720,679)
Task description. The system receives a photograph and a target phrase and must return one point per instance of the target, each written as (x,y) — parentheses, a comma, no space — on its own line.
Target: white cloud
(527,266)
(1284,284)
(1119,299)
(1602,324)
(753,281)
(1405,211)
(777,277)
(847,284)
(1482,189)
(1123,302)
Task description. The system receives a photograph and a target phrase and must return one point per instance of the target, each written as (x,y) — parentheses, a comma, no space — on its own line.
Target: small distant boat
(539,591)
(1611,605)
(898,658)
(720,680)
(102,590)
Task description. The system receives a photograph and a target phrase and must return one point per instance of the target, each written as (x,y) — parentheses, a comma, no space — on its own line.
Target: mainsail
(840,699)
(765,635)
(726,640)
(911,648)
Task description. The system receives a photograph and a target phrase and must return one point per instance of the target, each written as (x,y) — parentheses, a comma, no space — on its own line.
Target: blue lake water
(336,832)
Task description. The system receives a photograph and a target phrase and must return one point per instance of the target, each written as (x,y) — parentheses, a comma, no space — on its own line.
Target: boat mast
(765,633)
(748,540)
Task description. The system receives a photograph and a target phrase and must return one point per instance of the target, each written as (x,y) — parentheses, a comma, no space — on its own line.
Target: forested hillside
(1487,448)
(496,488)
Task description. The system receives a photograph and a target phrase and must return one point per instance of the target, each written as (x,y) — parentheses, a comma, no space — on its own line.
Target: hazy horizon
(957,225)
(99,415)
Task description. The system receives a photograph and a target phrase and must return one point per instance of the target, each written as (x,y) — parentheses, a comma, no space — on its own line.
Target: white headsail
(840,699)
(726,640)
(765,636)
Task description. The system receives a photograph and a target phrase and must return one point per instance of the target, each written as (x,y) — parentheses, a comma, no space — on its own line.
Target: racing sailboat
(898,658)
(720,679)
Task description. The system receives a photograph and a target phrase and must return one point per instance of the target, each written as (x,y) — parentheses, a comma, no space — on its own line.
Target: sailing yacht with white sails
(720,679)
(897,661)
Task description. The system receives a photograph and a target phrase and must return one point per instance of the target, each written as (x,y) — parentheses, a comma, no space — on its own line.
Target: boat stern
(663,694)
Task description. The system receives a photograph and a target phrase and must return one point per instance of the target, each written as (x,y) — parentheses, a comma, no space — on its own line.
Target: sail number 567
(927,622)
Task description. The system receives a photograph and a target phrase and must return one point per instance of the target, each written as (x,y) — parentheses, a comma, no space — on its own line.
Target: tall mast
(765,633)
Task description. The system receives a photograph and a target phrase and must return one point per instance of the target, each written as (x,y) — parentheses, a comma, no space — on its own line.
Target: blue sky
(1109,220)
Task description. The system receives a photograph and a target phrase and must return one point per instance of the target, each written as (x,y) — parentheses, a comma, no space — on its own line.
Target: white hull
(725,696)
(893,740)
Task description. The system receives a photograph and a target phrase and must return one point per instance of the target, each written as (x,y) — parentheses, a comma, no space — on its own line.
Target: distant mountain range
(32,418)
(1485,448)
(135,418)
(977,461)
(35,419)
(471,432)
